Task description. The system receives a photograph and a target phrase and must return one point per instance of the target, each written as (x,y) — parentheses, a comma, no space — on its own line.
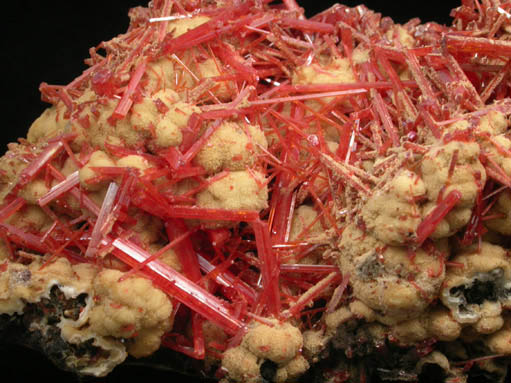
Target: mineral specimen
(281,198)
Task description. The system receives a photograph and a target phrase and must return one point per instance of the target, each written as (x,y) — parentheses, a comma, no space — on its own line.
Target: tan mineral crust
(333,195)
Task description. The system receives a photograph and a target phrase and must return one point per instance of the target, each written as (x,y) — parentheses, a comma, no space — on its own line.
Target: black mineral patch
(268,370)
(478,375)
(478,292)
(37,329)
(432,373)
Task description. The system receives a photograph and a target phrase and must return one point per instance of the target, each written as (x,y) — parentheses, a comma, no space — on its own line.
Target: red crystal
(269,266)
(178,286)
(104,222)
(311,294)
(429,224)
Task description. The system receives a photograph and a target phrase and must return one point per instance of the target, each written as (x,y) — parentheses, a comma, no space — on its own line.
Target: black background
(48,41)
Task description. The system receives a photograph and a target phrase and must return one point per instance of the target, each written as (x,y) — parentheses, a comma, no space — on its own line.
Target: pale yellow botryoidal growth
(500,341)
(453,166)
(134,161)
(119,317)
(160,75)
(437,324)
(98,159)
(48,125)
(21,284)
(241,365)
(169,73)
(34,190)
(489,265)
(146,112)
(336,70)
(386,278)
(169,129)
(494,123)
(102,130)
(392,213)
(240,190)
(233,146)
(501,210)
(11,165)
(132,308)
(304,218)
(162,123)
(399,34)
(279,342)
(328,70)
(314,342)
(30,218)
(147,228)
